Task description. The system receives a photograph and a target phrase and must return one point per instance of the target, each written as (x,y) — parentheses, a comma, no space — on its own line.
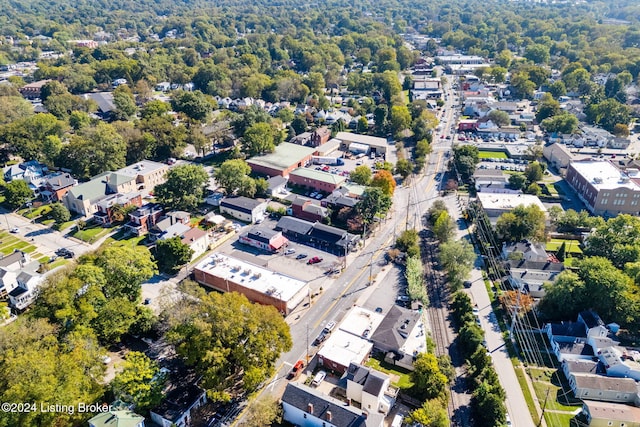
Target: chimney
(310,408)
(364,415)
(327,416)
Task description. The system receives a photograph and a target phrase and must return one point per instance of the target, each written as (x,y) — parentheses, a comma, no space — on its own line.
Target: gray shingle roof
(301,397)
(388,333)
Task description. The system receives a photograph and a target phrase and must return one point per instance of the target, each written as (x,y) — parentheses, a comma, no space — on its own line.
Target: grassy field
(572,246)
(493,155)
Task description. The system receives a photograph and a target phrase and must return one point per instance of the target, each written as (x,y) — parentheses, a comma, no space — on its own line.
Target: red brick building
(285,158)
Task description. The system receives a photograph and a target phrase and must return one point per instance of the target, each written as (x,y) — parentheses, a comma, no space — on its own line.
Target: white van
(397,421)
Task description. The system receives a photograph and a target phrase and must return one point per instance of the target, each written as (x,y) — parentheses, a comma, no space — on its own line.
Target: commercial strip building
(261,285)
(605,190)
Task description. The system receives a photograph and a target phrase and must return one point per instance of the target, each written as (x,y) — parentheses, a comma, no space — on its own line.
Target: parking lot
(504,164)
(294,263)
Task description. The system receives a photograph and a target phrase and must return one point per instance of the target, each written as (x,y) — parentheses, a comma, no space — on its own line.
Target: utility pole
(406,222)
(544,406)
(307,343)
(371,270)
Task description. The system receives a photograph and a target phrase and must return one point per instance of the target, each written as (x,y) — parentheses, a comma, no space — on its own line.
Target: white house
(306,407)
(620,363)
(26,290)
(243,208)
(370,388)
(117,419)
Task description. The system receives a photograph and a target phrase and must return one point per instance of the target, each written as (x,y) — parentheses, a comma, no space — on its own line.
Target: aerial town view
(347,213)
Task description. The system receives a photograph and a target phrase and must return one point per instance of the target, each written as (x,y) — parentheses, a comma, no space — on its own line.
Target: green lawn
(493,155)
(549,380)
(558,419)
(36,212)
(527,392)
(92,234)
(124,239)
(572,246)
(404,378)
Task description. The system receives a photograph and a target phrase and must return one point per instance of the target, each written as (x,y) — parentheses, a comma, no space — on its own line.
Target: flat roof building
(261,285)
(285,158)
(605,189)
(495,204)
(361,322)
(375,144)
(343,348)
(317,180)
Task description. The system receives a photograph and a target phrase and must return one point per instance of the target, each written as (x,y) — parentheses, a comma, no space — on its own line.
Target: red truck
(296,370)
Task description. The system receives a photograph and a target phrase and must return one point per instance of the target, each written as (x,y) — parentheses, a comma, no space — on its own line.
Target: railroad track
(438,311)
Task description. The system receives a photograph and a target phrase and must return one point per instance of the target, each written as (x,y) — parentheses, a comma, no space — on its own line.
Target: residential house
(243,208)
(492,181)
(176,409)
(305,407)
(575,340)
(620,362)
(400,336)
(606,389)
(339,199)
(531,276)
(265,239)
(197,239)
(26,290)
(11,266)
(32,172)
(104,101)
(524,250)
(164,223)
(307,209)
(144,218)
(277,185)
(370,388)
(56,186)
(115,418)
(601,414)
(110,207)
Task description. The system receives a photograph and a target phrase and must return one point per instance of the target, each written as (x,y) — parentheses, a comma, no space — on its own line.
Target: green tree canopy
(259,139)
(361,175)
(139,382)
(232,175)
(184,187)
(229,340)
(124,270)
(194,105)
(374,202)
(17,193)
(428,381)
(60,213)
(457,258)
(171,254)
(523,222)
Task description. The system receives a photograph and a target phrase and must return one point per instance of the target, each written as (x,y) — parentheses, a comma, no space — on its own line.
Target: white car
(320,376)
(290,251)
(15,230)
(508,421)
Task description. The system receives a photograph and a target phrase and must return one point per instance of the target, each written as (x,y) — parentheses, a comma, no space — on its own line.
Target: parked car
(296,370)
(320,376)
(314,260)
(65,253)
(329,327)
(15,230)
(301,256)
(290,251)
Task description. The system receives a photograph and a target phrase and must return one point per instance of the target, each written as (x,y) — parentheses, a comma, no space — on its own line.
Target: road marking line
(362,271)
